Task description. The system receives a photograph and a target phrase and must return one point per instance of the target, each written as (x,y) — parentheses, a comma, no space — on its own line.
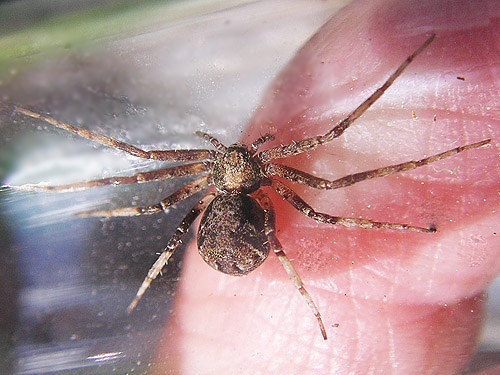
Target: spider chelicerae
(237,229)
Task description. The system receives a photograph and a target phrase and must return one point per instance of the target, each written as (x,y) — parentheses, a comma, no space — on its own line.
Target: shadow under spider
(237,229)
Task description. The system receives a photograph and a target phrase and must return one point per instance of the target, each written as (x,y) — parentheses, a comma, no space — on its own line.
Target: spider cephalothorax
(237,228)
(236,171)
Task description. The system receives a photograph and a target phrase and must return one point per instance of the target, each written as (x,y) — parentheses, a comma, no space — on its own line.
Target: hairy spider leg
(295,175)
(300,205)
(173,243)
(298,147)
(259,141)
(277,248)
(163,155)
(139,178)
(214,141)
(181,194)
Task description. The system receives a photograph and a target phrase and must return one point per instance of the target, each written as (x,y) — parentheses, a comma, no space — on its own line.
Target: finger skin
(405,303)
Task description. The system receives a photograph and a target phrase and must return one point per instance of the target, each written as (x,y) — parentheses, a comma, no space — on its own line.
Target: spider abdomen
(231,237)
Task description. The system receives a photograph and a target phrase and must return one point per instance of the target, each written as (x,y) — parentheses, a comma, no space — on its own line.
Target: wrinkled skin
(405,303)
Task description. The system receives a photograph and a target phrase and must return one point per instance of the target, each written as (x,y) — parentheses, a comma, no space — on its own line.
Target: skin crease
(405,303)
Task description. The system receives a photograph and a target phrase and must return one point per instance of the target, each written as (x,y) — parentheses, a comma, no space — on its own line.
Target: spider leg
(287,265)
(309,144)
(214,141)
(164,155)
(181,194)
(263,139)
(300,205)
(174,241)
(139,178)
(304,178)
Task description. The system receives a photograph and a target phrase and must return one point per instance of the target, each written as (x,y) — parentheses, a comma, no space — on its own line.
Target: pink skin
(405,303)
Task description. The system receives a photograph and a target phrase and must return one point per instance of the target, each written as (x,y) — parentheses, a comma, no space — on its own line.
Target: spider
(237,229)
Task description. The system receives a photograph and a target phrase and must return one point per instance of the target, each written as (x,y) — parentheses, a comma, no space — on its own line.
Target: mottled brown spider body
(236,171)
(237,229)
(231,237)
